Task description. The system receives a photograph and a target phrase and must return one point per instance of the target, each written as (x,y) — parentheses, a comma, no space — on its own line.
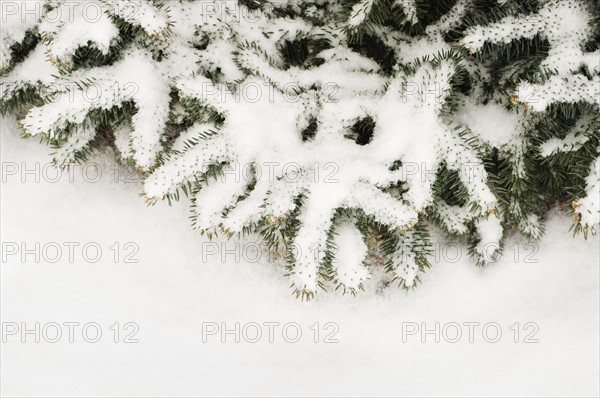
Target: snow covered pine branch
(341,131)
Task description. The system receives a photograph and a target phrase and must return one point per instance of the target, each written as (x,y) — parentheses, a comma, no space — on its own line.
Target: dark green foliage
(303,52)
(375,49)
(362,131)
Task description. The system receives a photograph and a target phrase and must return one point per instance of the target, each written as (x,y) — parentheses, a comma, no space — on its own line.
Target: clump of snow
(492,123)
(350,251)
(18,17)
(142,13)
(408,49)
(589,206)
(32,72)
(490,233)
(360,11)
(75,24)
(531,226)
(573,141)
(409,7)
(454,218)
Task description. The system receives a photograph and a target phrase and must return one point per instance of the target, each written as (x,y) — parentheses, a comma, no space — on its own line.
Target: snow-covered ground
(181,289)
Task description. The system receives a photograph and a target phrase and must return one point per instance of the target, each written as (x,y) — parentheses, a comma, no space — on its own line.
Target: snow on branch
(321,125)
(567,25)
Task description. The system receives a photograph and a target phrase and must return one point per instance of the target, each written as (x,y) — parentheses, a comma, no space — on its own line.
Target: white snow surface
(172,290)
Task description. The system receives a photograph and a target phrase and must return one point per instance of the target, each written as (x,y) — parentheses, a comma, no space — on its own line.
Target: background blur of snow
(171,291)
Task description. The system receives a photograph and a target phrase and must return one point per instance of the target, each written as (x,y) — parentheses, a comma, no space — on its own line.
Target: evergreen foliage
(472,116)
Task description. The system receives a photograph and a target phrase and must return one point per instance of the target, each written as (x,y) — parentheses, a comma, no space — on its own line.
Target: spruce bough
(341,131)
